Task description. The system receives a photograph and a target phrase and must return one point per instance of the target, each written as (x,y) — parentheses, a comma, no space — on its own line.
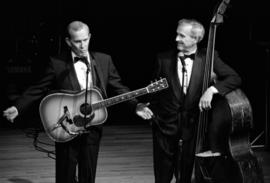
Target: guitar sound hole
(85,109)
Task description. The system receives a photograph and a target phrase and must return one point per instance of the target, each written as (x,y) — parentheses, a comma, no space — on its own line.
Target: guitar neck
(120,98)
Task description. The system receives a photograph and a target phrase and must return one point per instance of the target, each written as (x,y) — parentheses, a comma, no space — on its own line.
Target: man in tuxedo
(174,112)
(67,71)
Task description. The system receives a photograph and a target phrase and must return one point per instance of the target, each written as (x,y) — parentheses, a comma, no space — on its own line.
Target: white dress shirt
(189,64)
(81,69)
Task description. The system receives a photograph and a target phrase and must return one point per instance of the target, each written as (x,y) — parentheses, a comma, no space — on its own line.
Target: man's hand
(143,111)
(10,113)
(206,99)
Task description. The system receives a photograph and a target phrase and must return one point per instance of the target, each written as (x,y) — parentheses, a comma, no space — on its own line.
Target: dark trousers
(165,157)
(77,152)
(220,126)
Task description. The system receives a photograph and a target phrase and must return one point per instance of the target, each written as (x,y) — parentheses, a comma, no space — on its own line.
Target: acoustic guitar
(65,115)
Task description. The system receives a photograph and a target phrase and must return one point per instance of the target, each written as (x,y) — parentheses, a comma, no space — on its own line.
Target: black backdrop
(132,32)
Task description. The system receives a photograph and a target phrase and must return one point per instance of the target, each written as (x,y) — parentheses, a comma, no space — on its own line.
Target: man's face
(79,41)
(185,42)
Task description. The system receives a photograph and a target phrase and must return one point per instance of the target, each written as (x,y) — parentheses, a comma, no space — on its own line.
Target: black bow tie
(82,59)
(191,56)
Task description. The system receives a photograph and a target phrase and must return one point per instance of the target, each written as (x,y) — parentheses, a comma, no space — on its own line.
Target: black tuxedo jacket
(168,105)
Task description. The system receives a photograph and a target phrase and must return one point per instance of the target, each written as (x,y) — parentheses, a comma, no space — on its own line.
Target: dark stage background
(132,32)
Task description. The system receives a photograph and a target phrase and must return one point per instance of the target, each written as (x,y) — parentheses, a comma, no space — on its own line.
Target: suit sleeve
(36,91)
(228,79)
(115,82)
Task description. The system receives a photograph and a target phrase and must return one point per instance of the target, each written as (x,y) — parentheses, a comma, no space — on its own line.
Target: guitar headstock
(218,15)
(157,85)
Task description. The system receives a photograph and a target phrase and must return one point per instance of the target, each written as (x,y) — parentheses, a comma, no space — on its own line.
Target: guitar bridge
(67,115)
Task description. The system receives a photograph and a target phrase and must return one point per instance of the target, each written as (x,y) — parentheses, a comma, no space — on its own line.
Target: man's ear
(67,41)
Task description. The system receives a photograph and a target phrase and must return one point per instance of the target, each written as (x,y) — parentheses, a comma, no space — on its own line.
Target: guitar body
(62,114)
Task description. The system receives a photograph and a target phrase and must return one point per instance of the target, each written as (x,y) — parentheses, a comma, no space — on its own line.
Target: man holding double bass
(175,112)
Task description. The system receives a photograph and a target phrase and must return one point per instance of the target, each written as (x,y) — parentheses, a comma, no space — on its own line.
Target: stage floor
(27,156)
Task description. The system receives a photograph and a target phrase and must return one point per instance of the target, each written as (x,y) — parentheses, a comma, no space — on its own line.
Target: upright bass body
(227,128)
(237,157)
(239,144)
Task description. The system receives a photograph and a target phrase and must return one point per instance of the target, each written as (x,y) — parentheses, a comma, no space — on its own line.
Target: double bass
(238,157)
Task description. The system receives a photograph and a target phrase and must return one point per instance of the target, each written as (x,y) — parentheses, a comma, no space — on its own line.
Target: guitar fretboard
(120,98)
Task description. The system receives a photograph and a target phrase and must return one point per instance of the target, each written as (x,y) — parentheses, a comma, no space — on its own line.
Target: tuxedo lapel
(173,72)
(196,78)
(72,74)
(98,76)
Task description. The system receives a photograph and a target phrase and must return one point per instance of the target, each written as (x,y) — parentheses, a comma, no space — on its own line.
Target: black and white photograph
(135,91)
